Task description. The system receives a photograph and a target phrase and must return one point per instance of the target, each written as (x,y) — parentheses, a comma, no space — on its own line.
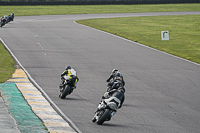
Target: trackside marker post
(165,35)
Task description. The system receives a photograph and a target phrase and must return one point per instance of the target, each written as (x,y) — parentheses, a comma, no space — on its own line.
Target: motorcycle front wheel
(65,92)
(103,117)
(2,25)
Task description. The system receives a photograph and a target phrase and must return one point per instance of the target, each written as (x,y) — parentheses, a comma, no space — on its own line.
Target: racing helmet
(114,70)
(118,74)
(68,67)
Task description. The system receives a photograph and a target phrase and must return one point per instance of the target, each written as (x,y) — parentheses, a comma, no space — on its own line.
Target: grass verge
(184,31)
(6,64)
(90,9)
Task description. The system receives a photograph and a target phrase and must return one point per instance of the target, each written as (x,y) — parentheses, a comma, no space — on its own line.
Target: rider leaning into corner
(115,93)
(3,20)
(70,73)
(115,76)
(115,90)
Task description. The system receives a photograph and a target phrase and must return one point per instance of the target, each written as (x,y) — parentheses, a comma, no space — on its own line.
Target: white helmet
(114,70)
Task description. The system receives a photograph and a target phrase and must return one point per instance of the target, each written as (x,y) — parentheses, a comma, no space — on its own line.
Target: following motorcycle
(10,17)
(106,109)
(68,87)
(3,21)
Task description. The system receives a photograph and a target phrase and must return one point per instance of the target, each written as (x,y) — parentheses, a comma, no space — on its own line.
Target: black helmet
(114,70)
(118,74)
(68,67)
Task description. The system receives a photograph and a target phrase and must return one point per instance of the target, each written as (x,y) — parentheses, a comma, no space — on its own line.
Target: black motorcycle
(68,86)
(106,109)
(10,17)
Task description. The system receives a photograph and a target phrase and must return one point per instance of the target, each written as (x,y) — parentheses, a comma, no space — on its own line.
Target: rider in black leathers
(10,17)
(115,88)
(117,93)
(115,76)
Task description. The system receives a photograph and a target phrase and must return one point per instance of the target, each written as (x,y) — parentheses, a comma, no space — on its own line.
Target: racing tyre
(103,116)
(65,92)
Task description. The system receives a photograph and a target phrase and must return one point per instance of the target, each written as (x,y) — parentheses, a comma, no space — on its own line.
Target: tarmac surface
(162,90)
(7,122)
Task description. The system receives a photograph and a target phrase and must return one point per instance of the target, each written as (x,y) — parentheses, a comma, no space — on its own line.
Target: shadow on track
(76,99)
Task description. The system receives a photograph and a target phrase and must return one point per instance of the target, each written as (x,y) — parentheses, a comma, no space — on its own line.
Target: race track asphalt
(162,91)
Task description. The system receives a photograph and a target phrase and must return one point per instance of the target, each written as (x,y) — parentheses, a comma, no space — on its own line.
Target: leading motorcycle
(68,86)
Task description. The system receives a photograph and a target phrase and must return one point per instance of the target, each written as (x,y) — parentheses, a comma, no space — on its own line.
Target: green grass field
(6,64)
(184,30)
(90,9)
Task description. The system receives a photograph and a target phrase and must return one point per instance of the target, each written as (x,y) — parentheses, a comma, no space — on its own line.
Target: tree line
(92,2)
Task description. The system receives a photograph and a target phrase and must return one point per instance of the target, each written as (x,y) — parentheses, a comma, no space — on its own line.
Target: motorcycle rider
(70,73)
(118,93)
(115,76)
(115,95)
(10,17)
(3,20)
